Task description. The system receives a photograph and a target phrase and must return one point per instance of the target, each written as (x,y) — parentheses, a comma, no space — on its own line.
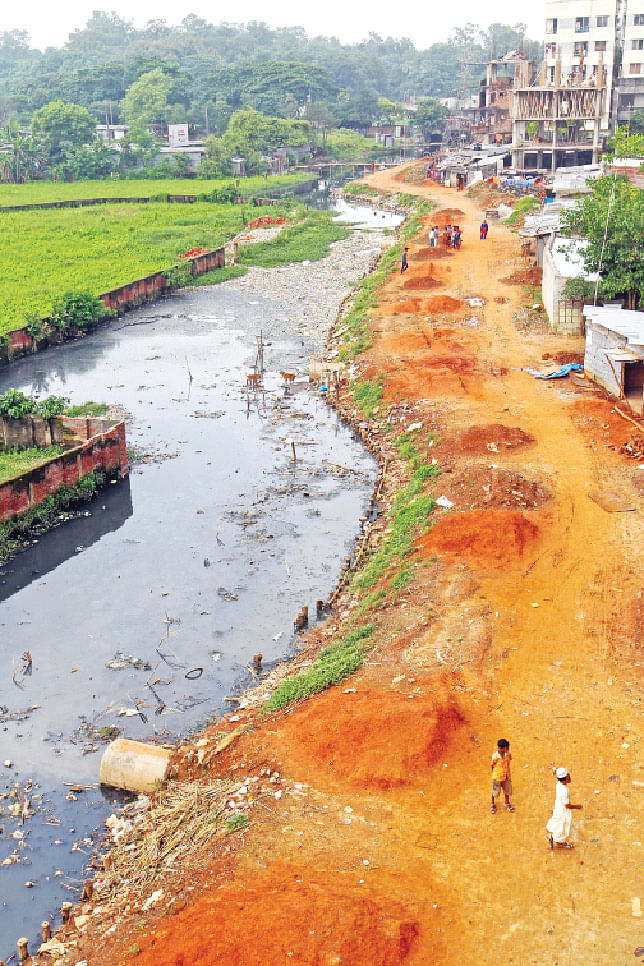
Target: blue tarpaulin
(558,374)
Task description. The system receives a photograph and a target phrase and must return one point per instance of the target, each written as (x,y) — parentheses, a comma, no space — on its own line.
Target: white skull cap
(561,772)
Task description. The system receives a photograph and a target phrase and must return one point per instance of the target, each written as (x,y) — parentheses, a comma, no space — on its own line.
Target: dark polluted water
(143,613)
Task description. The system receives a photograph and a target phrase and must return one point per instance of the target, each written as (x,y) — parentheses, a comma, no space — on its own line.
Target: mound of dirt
(497,538)
(446,216)
(284,914)
(356,750)
(430,252)
(443,303)
(493,437)
(422,282)
(478,486)
(527,276)
(405,306)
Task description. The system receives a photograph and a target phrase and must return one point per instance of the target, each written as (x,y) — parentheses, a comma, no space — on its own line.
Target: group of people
(559,826)
(451,237)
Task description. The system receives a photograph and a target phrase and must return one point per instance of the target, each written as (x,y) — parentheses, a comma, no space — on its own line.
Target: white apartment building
(581,35)
(630,87)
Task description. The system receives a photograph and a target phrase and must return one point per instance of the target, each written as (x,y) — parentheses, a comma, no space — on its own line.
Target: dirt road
(523,619)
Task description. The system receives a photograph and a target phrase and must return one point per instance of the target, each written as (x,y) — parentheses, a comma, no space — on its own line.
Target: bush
(81,309)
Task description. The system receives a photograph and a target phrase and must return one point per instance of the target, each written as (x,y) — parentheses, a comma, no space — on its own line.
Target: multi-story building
(592,79)
(581,35)
(629,94)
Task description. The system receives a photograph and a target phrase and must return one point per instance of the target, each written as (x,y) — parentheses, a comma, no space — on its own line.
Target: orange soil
(422,282)
(499,537)
(516,621)
(305,910)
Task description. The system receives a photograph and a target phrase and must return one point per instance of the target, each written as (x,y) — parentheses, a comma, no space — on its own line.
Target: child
(403,262)
(457,237)
(483,230)
(501,778)
(560,824)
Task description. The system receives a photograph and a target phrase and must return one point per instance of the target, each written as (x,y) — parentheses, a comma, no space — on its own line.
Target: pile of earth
(491,538)
(479,486)
(490,438)
(526,276)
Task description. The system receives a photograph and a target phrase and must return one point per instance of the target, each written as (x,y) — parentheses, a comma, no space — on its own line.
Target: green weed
(334,663)
(368,395)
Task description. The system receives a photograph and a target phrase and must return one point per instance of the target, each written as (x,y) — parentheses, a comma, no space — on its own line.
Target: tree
(59,128)
(146,100)
(612,221)
(430,115)
(626,144)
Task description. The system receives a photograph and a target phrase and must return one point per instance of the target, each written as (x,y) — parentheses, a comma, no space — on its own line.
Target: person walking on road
(501,778)
(404,265)
(458,234)
(560,825)
(483,230)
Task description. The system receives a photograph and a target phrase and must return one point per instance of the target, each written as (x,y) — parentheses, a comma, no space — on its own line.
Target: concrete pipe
(134,766)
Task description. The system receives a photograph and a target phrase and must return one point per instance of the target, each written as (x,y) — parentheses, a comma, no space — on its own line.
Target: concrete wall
(552,285)
(28,431)
(104,450)
(597,366)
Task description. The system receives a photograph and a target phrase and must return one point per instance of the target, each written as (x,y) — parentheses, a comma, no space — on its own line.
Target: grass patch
(401,579)
(38,192)
(372,600)
(406,520)
(522,208)
(236,822)
(89,408)
(15,462)
(308,240)
(367,396)
(217,275)
(334,663)
(359,188)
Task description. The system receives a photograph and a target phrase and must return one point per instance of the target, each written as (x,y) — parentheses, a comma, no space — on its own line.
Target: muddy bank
(150,613)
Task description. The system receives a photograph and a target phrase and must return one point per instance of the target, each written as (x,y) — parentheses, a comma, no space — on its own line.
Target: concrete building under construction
(591,80)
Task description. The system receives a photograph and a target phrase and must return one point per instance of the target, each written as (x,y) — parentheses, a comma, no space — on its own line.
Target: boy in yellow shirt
(501,778)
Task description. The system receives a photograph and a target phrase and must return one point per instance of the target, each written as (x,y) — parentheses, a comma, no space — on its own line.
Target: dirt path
(523,619)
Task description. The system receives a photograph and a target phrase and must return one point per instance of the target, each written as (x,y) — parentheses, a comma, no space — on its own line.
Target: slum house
(563,259)
(614,355)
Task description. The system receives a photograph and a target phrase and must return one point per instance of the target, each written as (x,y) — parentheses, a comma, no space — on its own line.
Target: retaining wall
(122,299)
(101,446)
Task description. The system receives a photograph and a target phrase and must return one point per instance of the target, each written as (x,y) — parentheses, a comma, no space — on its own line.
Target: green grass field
(42,191)
(44,254)
(13,463)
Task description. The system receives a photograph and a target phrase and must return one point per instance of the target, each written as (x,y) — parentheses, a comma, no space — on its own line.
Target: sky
(423,21)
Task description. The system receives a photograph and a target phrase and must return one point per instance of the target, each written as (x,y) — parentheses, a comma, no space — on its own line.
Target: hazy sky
(424,22)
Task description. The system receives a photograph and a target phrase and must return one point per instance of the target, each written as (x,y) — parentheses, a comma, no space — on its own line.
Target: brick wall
(120,299)
(103,447)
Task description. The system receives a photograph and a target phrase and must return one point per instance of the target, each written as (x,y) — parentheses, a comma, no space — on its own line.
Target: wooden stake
(45,928)
(23,949)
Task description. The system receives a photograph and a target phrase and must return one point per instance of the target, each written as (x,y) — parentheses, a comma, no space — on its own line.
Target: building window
(551,26)
(602,21)
(600,45)
(581,48)
(635,69)
(551,50)
(552,75)
(638,20)
(637,44)
(582,25)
